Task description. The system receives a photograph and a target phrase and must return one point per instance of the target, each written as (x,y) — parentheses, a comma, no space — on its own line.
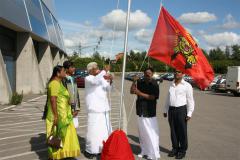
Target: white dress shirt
(96,88)
(180,95)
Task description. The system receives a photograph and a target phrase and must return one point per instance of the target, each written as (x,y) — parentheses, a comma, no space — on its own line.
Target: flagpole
(124,62)
(161,4)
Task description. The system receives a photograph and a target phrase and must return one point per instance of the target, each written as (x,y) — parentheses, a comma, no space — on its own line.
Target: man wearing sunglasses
(179,108)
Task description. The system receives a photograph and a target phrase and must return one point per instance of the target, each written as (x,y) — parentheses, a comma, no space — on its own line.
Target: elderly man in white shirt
(98,125)
(179,108)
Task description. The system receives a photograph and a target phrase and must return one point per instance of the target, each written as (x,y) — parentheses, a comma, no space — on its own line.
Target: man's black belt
(174,107)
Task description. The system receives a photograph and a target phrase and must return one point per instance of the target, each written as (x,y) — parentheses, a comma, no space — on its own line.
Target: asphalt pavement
(213,130)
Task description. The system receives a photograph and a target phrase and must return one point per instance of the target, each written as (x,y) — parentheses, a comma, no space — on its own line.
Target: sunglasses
(178,72)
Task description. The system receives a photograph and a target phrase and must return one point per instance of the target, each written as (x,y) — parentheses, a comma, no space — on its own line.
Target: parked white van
(233,80)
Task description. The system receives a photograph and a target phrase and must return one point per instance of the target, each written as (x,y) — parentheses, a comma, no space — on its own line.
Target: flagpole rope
(109,63)
(113,32)
(135,97)
(130,113)
(161,4)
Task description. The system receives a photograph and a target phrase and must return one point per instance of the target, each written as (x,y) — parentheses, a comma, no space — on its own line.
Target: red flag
(173,45)
(117,147)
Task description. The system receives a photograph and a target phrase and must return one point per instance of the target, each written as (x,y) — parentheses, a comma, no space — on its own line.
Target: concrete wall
(45,62)
(62,58)
(33,65)
(56,57)
(28,76)
(5,88)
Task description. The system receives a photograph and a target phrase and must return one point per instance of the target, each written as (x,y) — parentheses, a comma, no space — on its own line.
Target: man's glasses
(177,72)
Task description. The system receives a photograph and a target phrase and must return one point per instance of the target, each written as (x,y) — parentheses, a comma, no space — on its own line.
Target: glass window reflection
(36,18)
(50,25)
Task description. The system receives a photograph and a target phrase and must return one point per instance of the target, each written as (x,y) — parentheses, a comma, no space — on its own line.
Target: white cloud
(230,23)
(68,43)
(222,39)
(144,35)
(86,34)
(87,23)
(138,20)
(89,37)
(197,17)
(201,32)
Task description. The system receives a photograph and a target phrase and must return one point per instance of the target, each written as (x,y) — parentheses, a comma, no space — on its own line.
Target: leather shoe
(180,155)
(89,155)
(142,156)
(172,153)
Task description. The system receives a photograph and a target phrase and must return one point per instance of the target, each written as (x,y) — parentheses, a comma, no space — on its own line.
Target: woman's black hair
(57,69)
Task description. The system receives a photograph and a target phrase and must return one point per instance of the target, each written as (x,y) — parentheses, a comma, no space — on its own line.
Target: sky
(213,23)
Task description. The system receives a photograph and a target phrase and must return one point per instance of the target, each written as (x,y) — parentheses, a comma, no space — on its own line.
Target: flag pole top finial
(161,4)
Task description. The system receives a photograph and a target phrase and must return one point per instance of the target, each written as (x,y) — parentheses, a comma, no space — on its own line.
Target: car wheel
(236,94)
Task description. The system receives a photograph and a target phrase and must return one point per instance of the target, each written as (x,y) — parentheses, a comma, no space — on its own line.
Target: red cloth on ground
(117,147)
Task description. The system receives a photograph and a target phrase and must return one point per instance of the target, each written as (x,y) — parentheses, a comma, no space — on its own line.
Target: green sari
(65,129)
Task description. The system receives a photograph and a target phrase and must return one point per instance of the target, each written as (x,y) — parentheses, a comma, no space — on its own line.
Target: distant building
(31,43)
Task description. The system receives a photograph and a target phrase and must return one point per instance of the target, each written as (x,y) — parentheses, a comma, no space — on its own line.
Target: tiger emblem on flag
(182,46)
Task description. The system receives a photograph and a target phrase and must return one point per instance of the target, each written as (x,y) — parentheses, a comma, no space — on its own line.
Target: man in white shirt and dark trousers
(179,108)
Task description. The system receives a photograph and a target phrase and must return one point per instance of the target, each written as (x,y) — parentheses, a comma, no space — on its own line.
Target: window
(36,18)
(50,25)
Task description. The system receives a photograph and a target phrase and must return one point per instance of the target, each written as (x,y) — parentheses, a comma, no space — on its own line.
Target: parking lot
(213,130)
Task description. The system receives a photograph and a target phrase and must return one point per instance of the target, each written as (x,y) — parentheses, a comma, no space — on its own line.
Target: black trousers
(178,126)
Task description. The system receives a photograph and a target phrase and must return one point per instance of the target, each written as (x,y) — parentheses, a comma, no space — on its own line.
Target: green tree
(216,54)
(205,54)
(97,56)
(236,52)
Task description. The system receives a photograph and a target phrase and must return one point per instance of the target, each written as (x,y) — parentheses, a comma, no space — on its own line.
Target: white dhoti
(98,130)
(149,137)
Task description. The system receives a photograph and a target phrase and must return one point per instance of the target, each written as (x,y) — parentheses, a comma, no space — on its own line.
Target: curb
(12,106)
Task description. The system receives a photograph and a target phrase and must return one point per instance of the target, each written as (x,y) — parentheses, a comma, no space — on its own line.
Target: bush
(16,99)
(220,66)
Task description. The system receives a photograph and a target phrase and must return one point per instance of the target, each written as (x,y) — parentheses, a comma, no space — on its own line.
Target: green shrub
(16,99)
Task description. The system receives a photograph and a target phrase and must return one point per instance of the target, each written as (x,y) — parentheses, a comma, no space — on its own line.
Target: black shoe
(172,153)
(148,158)
(89,155)
(180,155)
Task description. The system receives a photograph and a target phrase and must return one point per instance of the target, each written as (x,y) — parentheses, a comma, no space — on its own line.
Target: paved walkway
(22,132)
(213,130)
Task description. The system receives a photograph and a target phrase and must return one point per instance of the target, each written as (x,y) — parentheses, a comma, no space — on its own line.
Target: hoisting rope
(135,97)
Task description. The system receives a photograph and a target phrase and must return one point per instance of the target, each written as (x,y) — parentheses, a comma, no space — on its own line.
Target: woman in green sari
(59,114)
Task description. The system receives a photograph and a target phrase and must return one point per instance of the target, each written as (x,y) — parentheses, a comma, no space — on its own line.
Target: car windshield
(223,80)
(81,73)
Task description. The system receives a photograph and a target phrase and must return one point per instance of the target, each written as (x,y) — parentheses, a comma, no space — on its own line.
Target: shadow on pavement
(221,94)
(38,145)
(136,148)
(134,138)
(82,143)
